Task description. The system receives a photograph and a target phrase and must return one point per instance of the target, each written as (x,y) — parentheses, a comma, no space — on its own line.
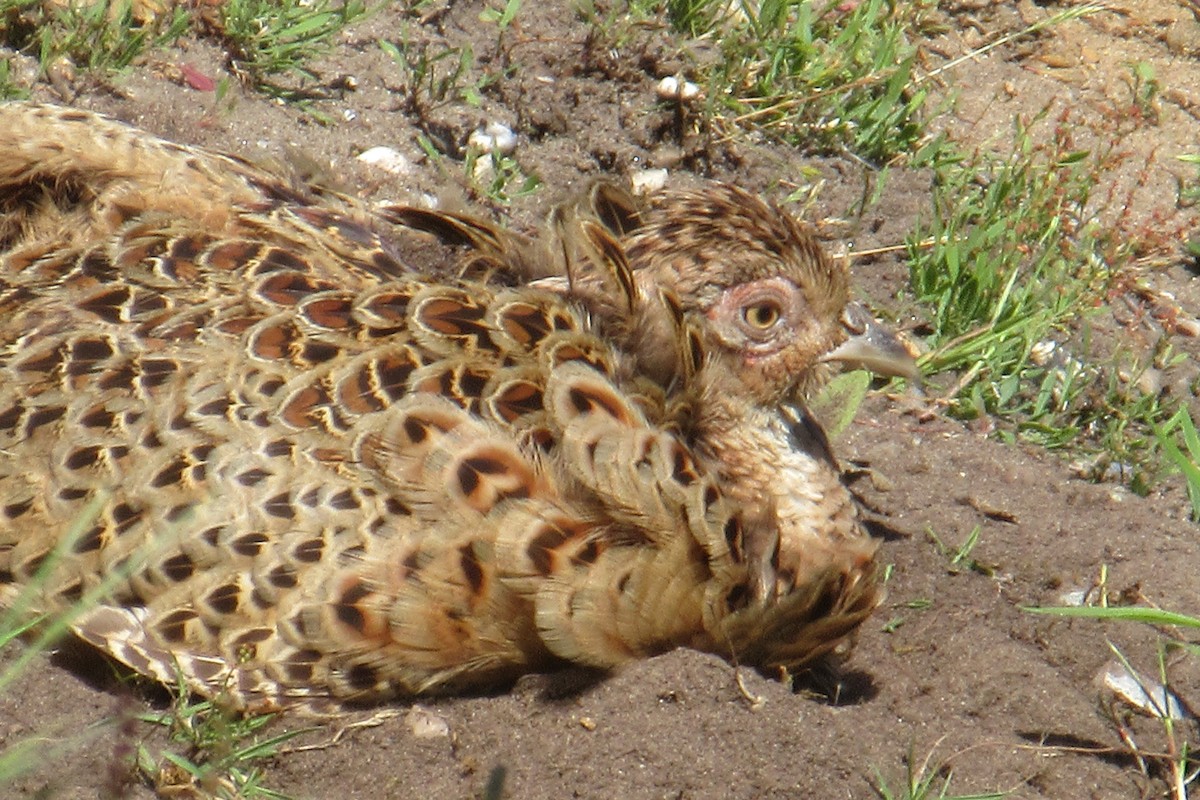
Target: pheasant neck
(776,463)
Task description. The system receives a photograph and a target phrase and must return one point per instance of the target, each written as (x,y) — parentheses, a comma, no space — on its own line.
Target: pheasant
(301,455)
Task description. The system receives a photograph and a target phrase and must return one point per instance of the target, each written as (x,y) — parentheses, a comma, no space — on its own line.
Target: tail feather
(65,171)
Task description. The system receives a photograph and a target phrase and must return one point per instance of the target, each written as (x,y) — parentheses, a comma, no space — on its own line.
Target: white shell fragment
(425,724)
(672,88)
(1144,694)
(1075,597)
(493,136)
(1041,353)
(386,159)
(648,181)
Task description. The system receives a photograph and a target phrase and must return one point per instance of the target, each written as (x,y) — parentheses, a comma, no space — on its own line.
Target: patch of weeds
(9,89)
(1146,90)
(960,557)
(1014,260)
(1014,264)
(1181,428)
(501,17)
(1189,192)
(1177,762)
(1011,255)
(97,37)
(220,751)
(435,75)
(828,77)
(269,43)
(499,177)
(925,781)
(268,40)
(614,27)
(896,621)
(102,37)
(435,78)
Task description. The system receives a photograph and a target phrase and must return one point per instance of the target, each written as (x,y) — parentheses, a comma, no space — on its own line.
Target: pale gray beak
(873,346)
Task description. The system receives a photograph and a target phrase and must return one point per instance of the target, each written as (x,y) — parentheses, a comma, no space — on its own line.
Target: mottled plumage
(317,474)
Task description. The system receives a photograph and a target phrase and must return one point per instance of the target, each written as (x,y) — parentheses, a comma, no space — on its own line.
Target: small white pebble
(1041,353)
(425,724)
(506,140)
(1076,597)
(386,159)
(483,170)
(648,181)
(668,88)
(349,114)
(672,88)
(1150,381)
(1143,693)
(494,136)
(479,140)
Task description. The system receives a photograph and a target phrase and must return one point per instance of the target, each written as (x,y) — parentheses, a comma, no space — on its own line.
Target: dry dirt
(951,668)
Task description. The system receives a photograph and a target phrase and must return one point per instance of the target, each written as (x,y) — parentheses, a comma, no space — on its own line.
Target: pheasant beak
(873,346)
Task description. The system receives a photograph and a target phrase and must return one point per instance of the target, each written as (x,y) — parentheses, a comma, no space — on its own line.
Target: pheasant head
(759,299)
(768,300)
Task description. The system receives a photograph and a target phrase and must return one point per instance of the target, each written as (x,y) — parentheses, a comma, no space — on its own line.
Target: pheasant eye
(761,316)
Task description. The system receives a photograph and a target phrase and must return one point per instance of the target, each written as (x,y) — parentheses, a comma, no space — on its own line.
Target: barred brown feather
(324,476)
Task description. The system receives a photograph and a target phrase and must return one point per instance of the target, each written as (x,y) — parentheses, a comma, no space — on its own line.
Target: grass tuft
(827,77)
(96,37)
(266,39)
(926,781)
(220,751)
(1014,263)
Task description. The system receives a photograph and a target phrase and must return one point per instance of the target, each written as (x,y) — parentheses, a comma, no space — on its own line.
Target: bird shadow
(561,685)
(100,673)
(826,681)
(879,529)
(835,685)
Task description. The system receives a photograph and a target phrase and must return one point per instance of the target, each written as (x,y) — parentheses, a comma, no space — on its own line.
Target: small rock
(386,159)
(1075,597)
(648,181)
(494,136)
(672,88)
(1142,693)
(425,724)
